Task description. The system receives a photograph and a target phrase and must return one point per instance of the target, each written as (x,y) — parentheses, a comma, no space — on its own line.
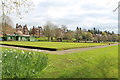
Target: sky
(72,13)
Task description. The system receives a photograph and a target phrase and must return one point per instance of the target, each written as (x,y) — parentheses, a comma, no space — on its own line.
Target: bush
(42,39)
(20,64)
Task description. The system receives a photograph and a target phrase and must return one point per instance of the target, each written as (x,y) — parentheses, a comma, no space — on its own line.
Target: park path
(59,52)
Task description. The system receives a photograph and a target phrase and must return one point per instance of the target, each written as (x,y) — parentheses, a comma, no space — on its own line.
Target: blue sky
(72,13)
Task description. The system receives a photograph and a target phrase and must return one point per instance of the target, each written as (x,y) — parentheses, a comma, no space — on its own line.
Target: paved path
(59,52)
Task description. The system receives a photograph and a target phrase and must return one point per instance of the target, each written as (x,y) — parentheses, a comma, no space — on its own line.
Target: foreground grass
(22,64)
(96,63)
(55,45)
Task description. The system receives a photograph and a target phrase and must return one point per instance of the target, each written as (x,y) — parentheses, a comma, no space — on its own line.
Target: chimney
(17,25)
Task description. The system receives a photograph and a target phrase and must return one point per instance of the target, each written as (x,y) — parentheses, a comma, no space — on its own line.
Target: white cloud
(73,13)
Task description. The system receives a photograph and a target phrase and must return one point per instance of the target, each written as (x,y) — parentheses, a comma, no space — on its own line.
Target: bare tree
(64,28)
(49,30)
(57,33)
(8,25)
(14,6)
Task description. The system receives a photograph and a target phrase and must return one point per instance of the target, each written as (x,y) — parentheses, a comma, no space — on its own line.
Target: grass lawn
(96,63)
(54,45)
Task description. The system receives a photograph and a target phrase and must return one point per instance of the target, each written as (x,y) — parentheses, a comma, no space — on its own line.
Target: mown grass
(54,45)
(42,39)
(96,63)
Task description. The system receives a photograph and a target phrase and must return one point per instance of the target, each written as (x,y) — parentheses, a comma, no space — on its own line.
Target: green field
(54,45)
(96,63)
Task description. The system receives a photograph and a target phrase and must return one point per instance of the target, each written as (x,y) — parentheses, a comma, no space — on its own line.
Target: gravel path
(59,52)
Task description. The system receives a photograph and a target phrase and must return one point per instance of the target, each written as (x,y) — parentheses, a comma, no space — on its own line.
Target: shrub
(42,39)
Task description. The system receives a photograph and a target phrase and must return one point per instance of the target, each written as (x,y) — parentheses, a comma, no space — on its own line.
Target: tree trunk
(48,39)
(98,40)
(51,38)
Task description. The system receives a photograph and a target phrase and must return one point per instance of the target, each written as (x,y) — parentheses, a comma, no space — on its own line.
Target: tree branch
(116,8)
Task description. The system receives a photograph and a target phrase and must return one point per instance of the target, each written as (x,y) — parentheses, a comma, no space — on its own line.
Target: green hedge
(42,39)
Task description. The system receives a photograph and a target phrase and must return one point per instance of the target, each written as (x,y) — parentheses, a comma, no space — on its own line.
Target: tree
(58,34)
(49,30)
(104,36)
(94,30)
(14,6)
(89,36)
(69,35)
(8,26)
(99,37)
(64,28)
(84,36)
(114,37)
(109,37)
(7,29)
(53,30)
(78,34)
(98,31)
(95,39)
(112,32)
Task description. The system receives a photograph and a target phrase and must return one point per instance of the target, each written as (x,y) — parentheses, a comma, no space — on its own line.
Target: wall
(32,38)
(24,38)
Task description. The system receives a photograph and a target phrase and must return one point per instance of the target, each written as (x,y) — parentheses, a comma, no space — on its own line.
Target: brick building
(25,30)
(19,28)
(37,31)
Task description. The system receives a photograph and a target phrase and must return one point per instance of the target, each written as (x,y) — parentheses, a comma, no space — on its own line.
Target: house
(17,37)
(21,34)
(23,30)
(37,31)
